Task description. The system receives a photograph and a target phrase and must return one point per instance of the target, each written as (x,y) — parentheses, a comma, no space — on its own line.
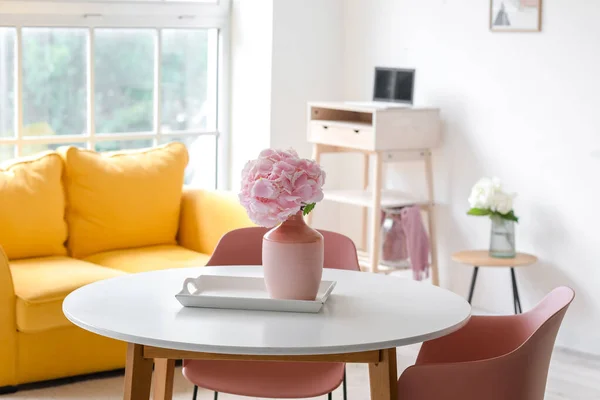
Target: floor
(572,376)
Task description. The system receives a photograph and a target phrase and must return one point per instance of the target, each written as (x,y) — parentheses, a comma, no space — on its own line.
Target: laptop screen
(394,84)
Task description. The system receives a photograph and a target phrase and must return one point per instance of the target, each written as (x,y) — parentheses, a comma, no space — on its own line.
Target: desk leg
(435,274)
(138,374)
(364,246)
(164,371)
(316,155)
(376,210)
(383,377)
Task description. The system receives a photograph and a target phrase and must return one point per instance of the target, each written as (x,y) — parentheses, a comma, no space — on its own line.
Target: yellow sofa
(72,217)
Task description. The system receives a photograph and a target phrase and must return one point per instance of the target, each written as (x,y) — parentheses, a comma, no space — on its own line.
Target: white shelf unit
(363,198)
(382,134)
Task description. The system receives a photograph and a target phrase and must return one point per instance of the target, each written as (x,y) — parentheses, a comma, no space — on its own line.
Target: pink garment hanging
(393,249)
(417,241)
(408,236)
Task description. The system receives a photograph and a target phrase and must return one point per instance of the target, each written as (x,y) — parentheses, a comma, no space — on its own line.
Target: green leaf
(307,208)
(479,212)
(510,216)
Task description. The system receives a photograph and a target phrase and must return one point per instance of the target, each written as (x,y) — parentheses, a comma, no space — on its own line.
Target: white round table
(366,317)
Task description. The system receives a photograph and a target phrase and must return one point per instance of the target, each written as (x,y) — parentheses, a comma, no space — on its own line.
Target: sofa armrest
(8,325)
(206,215)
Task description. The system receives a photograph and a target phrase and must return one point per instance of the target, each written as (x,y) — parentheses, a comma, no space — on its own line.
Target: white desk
(383,135)
(354,325)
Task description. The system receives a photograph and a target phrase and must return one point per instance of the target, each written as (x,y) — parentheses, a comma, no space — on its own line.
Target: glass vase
(502,238)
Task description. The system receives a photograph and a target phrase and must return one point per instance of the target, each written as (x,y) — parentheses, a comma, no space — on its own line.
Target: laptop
(392,87)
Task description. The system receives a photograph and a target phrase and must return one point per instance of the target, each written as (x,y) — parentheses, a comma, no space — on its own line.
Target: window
(115,75)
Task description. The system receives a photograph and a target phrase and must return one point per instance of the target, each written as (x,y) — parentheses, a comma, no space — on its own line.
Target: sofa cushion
(41,284)
(124,199)
(149,258)
(32,207)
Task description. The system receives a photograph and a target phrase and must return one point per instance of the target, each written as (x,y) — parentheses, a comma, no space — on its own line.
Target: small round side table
(481,258)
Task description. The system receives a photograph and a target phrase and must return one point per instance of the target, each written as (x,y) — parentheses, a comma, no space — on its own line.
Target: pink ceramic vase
(292,256)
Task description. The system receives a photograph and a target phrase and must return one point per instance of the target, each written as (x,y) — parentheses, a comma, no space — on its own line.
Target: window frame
(117,14)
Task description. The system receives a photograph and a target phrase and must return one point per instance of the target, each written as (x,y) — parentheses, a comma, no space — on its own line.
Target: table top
(481,258)
(364,312)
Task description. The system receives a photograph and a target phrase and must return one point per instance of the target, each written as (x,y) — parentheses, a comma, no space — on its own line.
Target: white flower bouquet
(488,199)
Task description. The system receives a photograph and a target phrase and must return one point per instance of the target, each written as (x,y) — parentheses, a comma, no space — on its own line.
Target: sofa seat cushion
(123,199)
(41,284)
(149,258)
(32,207)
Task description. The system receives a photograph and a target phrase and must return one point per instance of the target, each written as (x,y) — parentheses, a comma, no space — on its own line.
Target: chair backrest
(491,358)
(538,329)
(239,247)
(340,251)
(244,247)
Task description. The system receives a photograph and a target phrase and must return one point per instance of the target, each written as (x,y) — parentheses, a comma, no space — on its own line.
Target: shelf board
(365,265)
(343,124)
(389,198)
(401,271)
(365,106)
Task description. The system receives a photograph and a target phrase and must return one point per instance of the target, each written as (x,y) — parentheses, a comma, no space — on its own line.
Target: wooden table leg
(164,371)
(138,374)
(383,377)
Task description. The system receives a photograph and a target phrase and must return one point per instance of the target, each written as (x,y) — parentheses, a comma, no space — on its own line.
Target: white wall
(251,52)
(284,54)
(522,107)
(307,65)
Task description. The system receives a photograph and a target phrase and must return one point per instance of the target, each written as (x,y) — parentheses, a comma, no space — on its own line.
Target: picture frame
(516,15)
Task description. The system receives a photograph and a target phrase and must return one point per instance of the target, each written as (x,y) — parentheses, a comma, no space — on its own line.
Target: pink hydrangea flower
(279,184)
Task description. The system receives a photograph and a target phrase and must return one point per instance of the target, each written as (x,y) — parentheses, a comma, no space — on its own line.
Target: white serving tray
(244,293)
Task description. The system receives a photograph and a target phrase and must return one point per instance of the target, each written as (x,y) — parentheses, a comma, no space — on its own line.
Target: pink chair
(264,378)
(491,358)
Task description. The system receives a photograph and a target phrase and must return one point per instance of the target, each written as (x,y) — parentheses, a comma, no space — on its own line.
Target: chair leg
(344,385)
(329,396)
(473,280)
(216,395)
(195,395)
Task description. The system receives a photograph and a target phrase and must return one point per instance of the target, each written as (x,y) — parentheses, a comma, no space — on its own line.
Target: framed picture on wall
(516,15)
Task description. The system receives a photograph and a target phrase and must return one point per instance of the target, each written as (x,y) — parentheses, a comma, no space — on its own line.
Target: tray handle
(187,281)
(327,293)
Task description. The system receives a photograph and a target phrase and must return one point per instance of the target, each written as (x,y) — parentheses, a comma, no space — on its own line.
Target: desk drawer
(346,136)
